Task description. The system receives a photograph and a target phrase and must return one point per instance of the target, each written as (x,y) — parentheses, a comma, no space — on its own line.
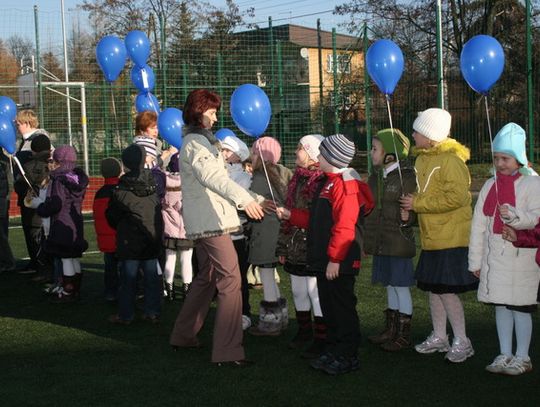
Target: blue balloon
(146,101)
(250,109)
(482,62)
(138,75)
(170,125)
(384,62)
(111,56)
(222,133)
(8,136)
(8,107)
(138,47)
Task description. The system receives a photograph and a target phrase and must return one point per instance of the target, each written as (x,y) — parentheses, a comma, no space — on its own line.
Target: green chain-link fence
(315,81)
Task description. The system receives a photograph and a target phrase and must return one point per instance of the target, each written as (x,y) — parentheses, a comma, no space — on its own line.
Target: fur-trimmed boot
(284,313)
(305,330)
(390,329)
(402,339)
(319,340)
(270,315)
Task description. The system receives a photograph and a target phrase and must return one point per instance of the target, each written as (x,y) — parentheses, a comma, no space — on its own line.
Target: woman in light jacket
(210,203)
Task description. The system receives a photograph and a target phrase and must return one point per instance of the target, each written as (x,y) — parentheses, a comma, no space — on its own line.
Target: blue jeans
(128,283)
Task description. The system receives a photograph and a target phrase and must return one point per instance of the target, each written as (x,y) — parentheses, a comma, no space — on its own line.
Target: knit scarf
(313,174)
(506,195)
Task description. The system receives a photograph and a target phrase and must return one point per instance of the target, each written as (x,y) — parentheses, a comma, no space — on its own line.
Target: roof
(307,37)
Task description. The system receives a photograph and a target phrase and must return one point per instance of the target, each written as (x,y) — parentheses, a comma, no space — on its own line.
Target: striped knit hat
(338,150)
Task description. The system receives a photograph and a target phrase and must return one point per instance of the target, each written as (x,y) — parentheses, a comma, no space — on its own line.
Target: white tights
(186,269)
(506,320)
(270,288)
(399,299)
(443,306)
(306,294)
(70,267)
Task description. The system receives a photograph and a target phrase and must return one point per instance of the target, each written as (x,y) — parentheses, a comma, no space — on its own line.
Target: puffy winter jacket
(105,234)
(443,200)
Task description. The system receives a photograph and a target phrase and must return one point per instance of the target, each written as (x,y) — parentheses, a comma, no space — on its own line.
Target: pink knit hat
(269,147)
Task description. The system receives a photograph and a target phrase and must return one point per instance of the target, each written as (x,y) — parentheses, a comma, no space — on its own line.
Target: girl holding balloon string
(210,202)
(508,203)
(443,206)
(273,315)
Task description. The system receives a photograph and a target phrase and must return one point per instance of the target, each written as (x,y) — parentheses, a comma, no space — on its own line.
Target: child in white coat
(509,276)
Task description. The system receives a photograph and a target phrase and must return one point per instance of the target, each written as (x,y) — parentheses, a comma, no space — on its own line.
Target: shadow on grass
(54,354)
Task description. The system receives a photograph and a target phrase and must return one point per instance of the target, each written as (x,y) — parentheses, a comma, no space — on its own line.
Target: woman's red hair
(198,102)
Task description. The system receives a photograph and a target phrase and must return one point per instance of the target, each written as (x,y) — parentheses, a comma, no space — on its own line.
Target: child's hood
(448,145)
(76,181)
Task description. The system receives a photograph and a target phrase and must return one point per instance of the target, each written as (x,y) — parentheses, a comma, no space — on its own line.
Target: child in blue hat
(509,276)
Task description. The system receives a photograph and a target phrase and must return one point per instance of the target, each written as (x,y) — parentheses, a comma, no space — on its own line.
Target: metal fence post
(530,90)
(163,58)
(38,58)
(220,86)
(336,82)
(280,90)
(272,77)
(321,93)
(367,97)
(184,82)
(440,73)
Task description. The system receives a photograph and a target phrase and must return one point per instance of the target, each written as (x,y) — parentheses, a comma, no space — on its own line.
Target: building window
(343,63)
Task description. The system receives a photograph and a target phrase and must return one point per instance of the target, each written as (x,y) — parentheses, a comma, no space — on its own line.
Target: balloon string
(21,170)
(394,141)
(266,174)
(115,119)
(491,146)
(152,102)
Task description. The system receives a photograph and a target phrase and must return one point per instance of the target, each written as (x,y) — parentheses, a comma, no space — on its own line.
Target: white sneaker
(460,351)
(517,366)
(433,344)
(499,363)
(246,322)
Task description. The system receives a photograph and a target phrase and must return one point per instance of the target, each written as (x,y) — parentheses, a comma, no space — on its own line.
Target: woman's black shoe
(236,363)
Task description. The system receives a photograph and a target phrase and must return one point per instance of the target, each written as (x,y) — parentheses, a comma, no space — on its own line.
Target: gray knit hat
(338,150)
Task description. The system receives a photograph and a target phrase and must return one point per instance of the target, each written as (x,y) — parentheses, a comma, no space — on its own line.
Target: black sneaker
(342,365)
(323,360)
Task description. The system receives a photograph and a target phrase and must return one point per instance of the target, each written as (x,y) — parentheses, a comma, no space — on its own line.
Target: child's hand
(268,206)
(283,213)
(509,234)
(332,270)
(476,273)
(404,215)
(281,259)
(504,211)
(406,202)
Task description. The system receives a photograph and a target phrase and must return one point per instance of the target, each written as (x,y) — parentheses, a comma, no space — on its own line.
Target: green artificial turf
(70,355)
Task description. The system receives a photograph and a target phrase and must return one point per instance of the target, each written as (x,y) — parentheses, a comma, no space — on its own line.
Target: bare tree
(21,48)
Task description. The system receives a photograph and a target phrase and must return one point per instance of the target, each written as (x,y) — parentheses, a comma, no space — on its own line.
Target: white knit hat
(433,123)
(311,144)
(237,146)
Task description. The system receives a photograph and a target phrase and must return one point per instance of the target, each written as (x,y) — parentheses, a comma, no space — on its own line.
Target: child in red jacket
(333,250)
(111,168)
